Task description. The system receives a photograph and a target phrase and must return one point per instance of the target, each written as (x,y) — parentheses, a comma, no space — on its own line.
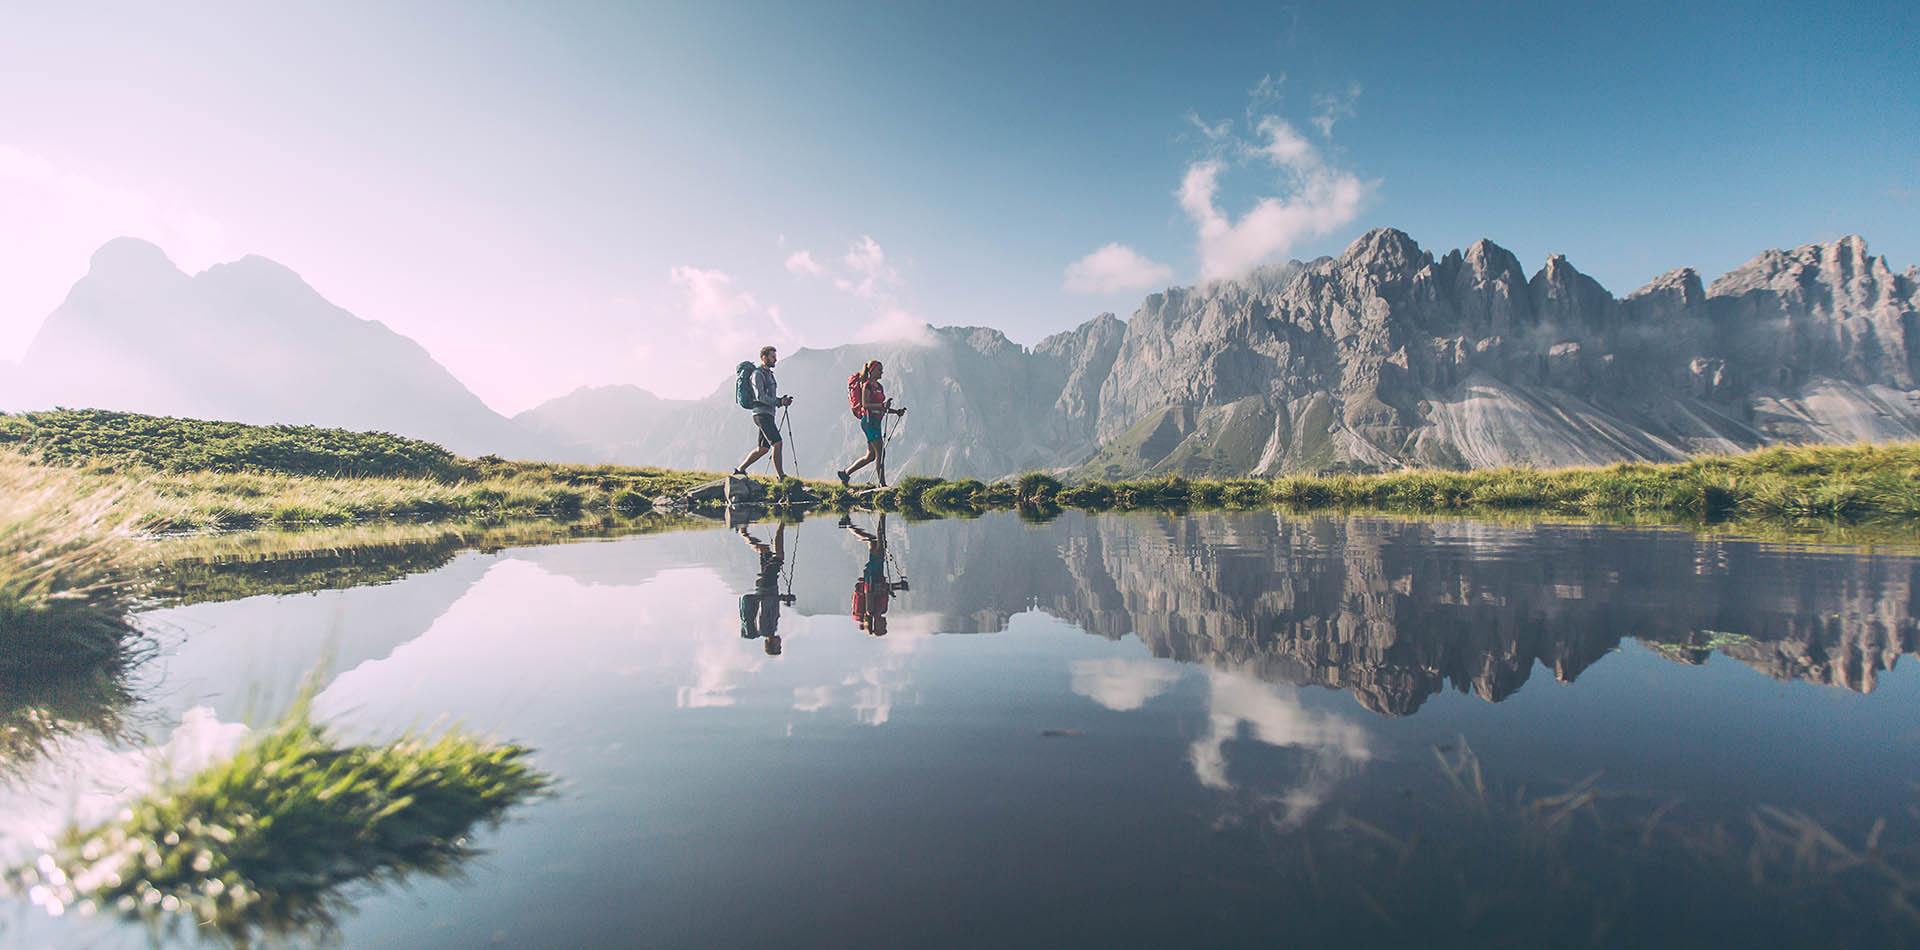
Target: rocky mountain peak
(1487,260)
(1386,250)
(1565,297)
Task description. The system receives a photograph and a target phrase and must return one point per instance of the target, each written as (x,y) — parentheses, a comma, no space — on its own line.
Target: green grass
(115,440)
(62,602)
(251,475)
(263,842)
(1845,484)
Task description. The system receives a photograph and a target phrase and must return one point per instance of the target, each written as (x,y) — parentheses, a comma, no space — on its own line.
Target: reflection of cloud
(1120,684)
(1275,717)
(872,690)
(85,781)
(812,698)
(718,664)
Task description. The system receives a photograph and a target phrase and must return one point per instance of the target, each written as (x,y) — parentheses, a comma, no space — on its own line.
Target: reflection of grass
(221,566)
(1697,646)
(1491,865)
(265,840)
(37,712)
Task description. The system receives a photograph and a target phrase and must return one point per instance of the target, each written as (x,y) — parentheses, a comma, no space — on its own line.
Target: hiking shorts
(870,425)
(769,433)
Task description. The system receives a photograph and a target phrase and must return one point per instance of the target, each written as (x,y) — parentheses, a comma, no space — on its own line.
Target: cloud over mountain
(1114,268)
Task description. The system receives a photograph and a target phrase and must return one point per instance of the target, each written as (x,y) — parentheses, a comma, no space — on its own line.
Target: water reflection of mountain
(1394,611)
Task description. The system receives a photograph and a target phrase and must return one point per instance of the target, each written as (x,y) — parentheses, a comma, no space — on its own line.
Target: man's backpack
(743,386)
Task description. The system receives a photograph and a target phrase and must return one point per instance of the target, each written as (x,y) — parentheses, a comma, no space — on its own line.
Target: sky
(549,195)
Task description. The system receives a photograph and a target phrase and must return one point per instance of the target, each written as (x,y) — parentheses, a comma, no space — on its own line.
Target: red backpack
(856,394)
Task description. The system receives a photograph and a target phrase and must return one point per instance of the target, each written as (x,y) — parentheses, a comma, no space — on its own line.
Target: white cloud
(1332,107)
(1316,199)
(56,217)
(872,277)
(1265,94)
(711,323)
(802,262)
(1122,685)
(895,325)
(1113,268)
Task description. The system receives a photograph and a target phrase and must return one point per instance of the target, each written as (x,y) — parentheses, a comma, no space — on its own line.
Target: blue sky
(548,195)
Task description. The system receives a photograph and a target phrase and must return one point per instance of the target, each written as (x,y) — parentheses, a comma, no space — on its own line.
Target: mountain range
(1382,357)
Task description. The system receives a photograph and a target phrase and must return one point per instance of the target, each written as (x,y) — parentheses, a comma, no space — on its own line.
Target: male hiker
(871,405)
(754,387)
(760,610)
(872,591)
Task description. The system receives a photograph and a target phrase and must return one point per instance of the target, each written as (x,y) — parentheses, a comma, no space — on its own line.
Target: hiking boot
(843,480)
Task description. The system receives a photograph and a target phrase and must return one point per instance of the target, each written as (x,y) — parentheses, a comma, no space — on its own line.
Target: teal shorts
(870,425)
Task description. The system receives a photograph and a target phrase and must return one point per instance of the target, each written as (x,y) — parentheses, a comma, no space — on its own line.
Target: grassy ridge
(179,474)
(112,440)
(254,475)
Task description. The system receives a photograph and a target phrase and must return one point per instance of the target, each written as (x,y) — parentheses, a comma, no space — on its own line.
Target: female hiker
(870,404)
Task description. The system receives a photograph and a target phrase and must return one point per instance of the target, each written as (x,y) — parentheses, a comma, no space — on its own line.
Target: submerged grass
(263,842)
(1488,864)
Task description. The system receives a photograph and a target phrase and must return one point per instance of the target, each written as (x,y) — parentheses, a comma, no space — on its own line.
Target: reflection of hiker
(760,610)
(871,405)
(872,591)
(754,388)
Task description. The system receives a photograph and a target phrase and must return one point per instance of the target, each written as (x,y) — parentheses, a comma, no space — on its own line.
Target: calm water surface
(1116,730)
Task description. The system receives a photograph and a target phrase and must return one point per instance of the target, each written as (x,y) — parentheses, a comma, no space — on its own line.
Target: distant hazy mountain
(1382,357)
(978,404)
(601,423)
(10,395)
(247,341)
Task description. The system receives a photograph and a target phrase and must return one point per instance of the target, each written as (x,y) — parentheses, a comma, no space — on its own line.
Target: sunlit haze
(553,195)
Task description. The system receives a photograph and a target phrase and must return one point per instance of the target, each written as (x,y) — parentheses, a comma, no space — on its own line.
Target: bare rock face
(1383,357)
(1386,357)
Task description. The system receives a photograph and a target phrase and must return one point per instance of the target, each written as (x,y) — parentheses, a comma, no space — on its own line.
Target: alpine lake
(1213,729)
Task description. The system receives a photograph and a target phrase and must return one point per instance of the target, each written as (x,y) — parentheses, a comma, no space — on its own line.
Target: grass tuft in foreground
(264,841)
(61,605)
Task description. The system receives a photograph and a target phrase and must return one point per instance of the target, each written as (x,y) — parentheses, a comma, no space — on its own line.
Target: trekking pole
(786,421)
